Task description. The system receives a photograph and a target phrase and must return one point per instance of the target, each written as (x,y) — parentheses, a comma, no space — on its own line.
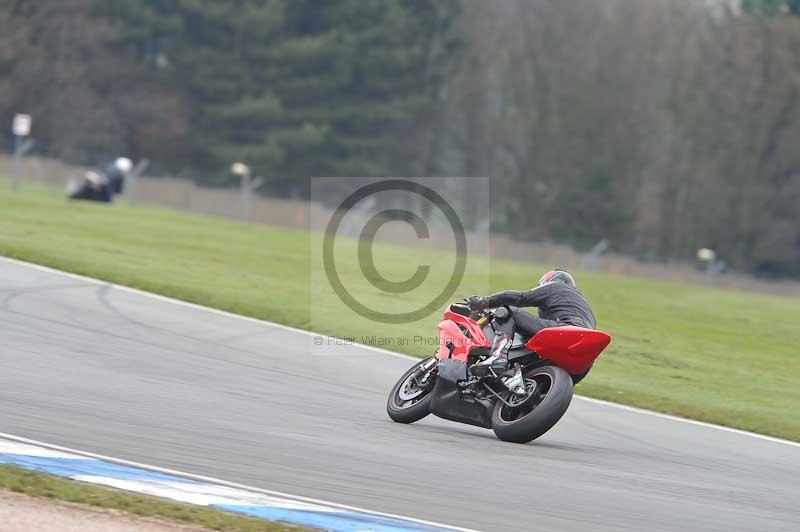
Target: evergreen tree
(294,88)
(771,7)
(59,61)
(219,55)
(359,75)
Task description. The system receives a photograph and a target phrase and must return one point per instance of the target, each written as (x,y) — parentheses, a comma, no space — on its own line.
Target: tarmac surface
(108,370)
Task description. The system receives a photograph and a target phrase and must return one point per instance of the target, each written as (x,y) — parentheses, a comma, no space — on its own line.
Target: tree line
(662,126)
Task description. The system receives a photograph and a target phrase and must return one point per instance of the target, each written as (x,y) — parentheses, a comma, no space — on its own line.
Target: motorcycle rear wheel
(537,414)
(407,404)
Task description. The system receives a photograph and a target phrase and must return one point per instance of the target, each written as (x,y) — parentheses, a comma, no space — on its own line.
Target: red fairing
(572,348)
(452,342)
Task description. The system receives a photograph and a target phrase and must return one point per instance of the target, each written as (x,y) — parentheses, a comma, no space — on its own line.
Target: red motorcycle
(520,404)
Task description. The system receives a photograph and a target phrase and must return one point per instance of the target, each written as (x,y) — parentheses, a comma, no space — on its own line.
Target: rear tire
(523,424)
(403,411)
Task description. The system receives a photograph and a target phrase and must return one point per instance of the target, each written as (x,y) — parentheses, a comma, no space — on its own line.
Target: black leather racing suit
(558,303)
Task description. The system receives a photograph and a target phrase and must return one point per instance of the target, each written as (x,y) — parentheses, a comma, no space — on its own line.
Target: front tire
(540,411)
(408,402)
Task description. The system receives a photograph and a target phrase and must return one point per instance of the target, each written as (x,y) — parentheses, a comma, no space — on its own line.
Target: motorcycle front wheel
(526,418)
(409,401)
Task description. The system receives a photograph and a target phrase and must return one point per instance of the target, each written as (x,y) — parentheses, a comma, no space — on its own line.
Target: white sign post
(21,127)
(248,186)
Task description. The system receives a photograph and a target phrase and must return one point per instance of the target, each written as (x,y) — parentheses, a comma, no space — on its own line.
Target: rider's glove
(476,302)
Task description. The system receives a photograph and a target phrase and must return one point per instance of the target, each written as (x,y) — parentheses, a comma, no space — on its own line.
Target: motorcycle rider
(559,303)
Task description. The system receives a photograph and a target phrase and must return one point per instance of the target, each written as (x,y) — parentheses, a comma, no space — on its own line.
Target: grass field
(52,487)
(720,356)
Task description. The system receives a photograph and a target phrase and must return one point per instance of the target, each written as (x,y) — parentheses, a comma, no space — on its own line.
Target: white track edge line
(191,476)
(189,304)
(379,350)
(690,421)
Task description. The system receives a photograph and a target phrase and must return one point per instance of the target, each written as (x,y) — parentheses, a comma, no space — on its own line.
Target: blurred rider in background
(102,187)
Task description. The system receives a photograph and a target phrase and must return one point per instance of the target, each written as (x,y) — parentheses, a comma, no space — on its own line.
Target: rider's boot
(497,362)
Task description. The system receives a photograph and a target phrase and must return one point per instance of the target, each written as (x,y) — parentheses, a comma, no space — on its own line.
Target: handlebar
(481,316)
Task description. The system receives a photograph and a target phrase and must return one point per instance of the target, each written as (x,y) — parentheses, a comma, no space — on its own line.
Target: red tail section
(571,348)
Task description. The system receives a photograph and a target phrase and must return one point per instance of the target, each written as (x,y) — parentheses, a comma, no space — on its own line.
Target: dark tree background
(663,126)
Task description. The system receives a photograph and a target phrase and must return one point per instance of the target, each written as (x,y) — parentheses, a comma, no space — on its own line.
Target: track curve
(104,369)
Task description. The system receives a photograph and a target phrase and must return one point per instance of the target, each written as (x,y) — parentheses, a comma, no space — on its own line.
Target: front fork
(423,373)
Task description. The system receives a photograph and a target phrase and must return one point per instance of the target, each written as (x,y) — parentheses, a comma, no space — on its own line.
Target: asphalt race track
(107,370)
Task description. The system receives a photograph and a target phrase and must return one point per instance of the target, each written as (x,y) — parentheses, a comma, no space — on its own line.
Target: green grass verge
(720,356)
(43,485)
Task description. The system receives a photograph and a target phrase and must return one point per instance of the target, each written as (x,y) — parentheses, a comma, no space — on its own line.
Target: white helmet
(123,164)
